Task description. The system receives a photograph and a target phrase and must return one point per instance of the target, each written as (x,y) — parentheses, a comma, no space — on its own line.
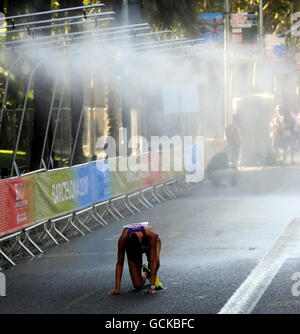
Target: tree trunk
(113,106)
(76,94)
(43,85)
(2,6)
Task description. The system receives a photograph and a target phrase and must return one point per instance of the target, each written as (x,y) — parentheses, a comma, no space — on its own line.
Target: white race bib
(136,225)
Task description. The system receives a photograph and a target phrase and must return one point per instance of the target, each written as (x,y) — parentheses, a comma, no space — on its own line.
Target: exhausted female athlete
(135,240)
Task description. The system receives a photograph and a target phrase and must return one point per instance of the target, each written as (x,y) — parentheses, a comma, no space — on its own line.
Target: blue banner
(102,184)
(83,180)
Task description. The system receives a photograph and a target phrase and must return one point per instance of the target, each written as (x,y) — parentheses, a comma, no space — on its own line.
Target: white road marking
(244,300)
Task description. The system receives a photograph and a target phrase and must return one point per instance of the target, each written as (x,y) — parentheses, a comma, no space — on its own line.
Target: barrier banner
(20,203)
(101,185)
(145,163)
(194,165)
(176,164)
(41,195)
(145,170)
(63,191)
(82,186)
(123,182)
(3,207)
(33,198)
(53,194)
(156,175)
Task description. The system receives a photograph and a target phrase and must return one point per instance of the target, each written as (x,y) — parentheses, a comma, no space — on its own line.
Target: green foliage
(16,90)
(178,16)
(209,6)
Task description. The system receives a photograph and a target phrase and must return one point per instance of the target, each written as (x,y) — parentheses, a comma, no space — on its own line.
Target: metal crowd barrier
(31,241)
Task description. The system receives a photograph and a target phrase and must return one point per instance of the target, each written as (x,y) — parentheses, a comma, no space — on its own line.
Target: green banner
(172,174)
(53,194)
(41,197)
(123,182)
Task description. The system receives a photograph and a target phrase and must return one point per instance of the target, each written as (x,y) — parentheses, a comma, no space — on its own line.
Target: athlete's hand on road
(113,292)
(151,292)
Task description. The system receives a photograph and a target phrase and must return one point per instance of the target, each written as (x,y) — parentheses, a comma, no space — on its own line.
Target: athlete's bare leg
(137,277)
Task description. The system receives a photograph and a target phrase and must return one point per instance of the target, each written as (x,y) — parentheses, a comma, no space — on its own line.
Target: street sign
(244,28)
(275,47)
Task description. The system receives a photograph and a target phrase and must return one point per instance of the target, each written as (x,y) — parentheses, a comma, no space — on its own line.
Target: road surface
(212,240)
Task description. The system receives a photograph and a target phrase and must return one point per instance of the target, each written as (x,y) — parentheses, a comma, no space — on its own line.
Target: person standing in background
(289,135)
(277,133)
(296,129)
(215,29)
(233,136)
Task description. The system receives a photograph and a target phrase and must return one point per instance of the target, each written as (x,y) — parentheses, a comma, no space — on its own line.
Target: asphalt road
(212,239)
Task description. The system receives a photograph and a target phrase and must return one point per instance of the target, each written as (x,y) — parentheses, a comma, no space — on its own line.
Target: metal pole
(23,116)
(84,32)
(51,37)
(226,65)
(60,19)
(48,122)
(30,30)
(261,24)
(70,38)
(54,26)
(261,43)
(93,41)
(53,11)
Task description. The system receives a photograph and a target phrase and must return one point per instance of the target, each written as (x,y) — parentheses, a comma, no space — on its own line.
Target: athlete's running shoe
(158,284)
(147,271)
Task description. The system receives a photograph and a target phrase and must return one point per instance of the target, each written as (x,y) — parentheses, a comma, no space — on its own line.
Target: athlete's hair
(134,248)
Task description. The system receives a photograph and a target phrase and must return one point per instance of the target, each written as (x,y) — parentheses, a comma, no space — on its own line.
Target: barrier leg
(21,243)
(50,235)
(7,258)
(76,228)
(166,191)
(82,223)
(127,206)
(169,191)
(141,201)
(98,215)
(104,213)
(145,199)
(116,210)
(13,246)
(111,212)
(132,205)
(99,220)
(33,243)
(66,227)
(157,193)
(59,232)
(175,187)
(154,195)
(37,233)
